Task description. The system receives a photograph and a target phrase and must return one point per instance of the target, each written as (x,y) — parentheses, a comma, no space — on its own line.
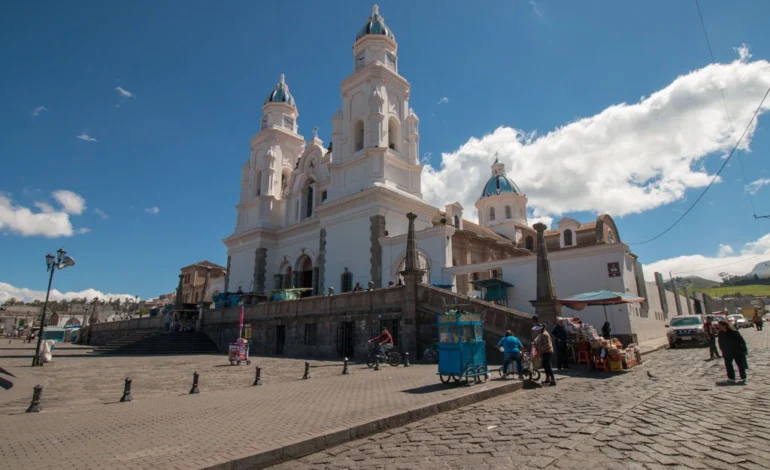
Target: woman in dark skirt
(734,349)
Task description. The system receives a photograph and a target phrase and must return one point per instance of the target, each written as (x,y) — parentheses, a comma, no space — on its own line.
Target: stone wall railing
(378,300)
(133,324)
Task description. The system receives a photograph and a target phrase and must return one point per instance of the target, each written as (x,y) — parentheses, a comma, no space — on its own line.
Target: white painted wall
(348,245)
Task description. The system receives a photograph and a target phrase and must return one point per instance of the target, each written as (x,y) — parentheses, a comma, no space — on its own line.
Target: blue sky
(171,92)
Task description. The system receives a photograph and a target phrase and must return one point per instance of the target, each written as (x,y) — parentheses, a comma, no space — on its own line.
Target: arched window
(284,182)
(508,212)
(359,136)
(457,221)
(530,243)
(610,236)
(568,237)
(346,281)
(393,137)
(264,122)
(491,214)
(258,183)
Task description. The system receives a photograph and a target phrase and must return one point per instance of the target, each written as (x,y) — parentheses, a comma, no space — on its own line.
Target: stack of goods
(616,359)
(632,355)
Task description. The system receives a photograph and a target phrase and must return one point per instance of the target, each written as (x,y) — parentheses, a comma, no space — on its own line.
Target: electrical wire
(719,266)
(732,152)
(727,113)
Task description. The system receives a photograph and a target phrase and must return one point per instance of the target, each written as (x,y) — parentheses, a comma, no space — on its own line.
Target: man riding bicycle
(385,341)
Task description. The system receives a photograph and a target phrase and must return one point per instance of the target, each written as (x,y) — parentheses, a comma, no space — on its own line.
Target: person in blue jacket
(511,351)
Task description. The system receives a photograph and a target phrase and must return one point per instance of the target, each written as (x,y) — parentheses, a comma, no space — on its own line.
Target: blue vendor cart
(461,348)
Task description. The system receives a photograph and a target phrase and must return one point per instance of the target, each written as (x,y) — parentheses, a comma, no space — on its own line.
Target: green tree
(141,312)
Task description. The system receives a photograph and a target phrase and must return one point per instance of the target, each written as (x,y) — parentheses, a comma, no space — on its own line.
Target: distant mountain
(694,282)
(761,269)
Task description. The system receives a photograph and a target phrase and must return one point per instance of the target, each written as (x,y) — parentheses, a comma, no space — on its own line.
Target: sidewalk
(245,427)
(653,345)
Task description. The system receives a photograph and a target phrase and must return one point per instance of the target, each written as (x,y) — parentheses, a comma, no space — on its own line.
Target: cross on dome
(283,79)
(375,10)
(315,132)
(497,160)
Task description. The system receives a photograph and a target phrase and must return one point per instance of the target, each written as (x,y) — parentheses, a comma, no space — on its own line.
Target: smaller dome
(281,93)
(375,25)
(499,183)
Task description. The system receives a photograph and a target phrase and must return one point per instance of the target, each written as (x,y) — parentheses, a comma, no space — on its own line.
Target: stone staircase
(159,343)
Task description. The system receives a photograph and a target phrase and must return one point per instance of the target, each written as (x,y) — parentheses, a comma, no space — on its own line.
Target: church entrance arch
(303,270)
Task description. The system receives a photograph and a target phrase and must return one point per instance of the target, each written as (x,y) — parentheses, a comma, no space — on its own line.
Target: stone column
(315,280)
(321,262)
(227,274)
(376,230)
(677,300)
(546,306)
(412,276)
(260,270)
(202,305)
(178,301)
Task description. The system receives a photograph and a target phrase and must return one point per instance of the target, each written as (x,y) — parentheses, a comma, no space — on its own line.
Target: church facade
(321,217)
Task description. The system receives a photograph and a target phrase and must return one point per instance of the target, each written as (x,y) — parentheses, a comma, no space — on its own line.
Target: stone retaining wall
(103,333)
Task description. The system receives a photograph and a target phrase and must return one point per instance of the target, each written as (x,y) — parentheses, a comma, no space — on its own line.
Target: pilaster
(547,308)
(377,230)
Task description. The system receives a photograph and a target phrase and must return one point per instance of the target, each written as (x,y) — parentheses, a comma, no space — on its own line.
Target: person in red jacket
(385,340)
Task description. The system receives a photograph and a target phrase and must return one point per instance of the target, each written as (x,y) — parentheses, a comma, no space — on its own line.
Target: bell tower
(377,131)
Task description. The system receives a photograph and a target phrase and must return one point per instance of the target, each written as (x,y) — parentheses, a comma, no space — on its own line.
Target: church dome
(499,183)
(281,94)
(375,25)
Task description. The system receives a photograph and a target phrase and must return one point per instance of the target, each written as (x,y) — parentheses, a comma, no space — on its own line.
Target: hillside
(694,283)
(730,291)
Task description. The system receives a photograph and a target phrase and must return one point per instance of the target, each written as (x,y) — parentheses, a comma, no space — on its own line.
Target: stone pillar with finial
(547,308)
(202,305)
(412,277)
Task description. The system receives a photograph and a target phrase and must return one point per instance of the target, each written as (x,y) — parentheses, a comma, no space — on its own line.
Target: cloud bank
(629,158)
(7,291)
(48,222)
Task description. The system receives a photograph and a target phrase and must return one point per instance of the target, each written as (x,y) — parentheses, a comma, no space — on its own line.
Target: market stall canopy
(602,297)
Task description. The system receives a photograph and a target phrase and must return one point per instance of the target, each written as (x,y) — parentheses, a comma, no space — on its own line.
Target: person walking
(544,347)
(734,349)
(606,329)
(757,322)
(711,331)
(559,335)
(511,352)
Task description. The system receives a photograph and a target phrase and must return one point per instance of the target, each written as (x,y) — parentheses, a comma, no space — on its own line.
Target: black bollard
(406,360)
(126,391)
(194,388)
(377,362)
(307,371)
(34,406)
(345,367)
(258,378)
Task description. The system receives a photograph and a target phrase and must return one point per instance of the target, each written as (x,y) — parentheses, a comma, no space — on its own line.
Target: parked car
(739,321)
(686,329)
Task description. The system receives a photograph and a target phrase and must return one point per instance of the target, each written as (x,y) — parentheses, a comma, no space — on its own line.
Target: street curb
(299,449)
(656,348)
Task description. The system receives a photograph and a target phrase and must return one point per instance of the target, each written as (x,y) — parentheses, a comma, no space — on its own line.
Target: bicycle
(527,372)
(391,356)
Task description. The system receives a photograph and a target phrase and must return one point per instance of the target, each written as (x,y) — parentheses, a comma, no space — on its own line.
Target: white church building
(319,217)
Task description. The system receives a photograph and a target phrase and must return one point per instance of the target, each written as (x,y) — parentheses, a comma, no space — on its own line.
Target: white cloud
(83,230)
(71,203)
(8,291)
(152,210)
(124,93)
(725,250)
(707,267)
(743,52)
(49,222)
(425,160)
(36,112)
(443,100)
(629,158)
(102,214)
(756,185)
(85,137)
(536,9)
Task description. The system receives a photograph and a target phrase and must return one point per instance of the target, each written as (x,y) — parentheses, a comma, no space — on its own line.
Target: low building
(194,281)
(15,317)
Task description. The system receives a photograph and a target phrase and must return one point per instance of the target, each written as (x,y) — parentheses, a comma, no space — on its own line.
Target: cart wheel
(526,374)
(445,378)
(536,375)
(456,378)
(232,363)
(238,362)
(430,356)
(248,363)
(482,376)
(470,375)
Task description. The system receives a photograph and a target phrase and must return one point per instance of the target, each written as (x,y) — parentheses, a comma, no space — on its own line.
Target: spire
(497,160)
(375,10)
(283,80)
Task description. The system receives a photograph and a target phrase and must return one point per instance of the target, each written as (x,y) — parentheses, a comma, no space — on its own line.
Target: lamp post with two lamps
(60,261)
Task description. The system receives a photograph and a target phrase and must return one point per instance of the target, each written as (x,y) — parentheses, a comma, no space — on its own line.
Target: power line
(721,265)
(732,152)
(727,113)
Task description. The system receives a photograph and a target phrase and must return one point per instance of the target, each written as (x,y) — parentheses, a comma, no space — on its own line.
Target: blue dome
(281,94)
(375,25)
(500,184)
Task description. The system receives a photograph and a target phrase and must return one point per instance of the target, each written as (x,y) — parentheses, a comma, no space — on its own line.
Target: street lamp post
(60,261)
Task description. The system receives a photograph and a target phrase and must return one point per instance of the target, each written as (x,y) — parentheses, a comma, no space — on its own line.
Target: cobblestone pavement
(77,378)
(677,419)
(169,429)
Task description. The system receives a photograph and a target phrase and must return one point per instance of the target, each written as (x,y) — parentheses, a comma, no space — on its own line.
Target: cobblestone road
(678,419)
